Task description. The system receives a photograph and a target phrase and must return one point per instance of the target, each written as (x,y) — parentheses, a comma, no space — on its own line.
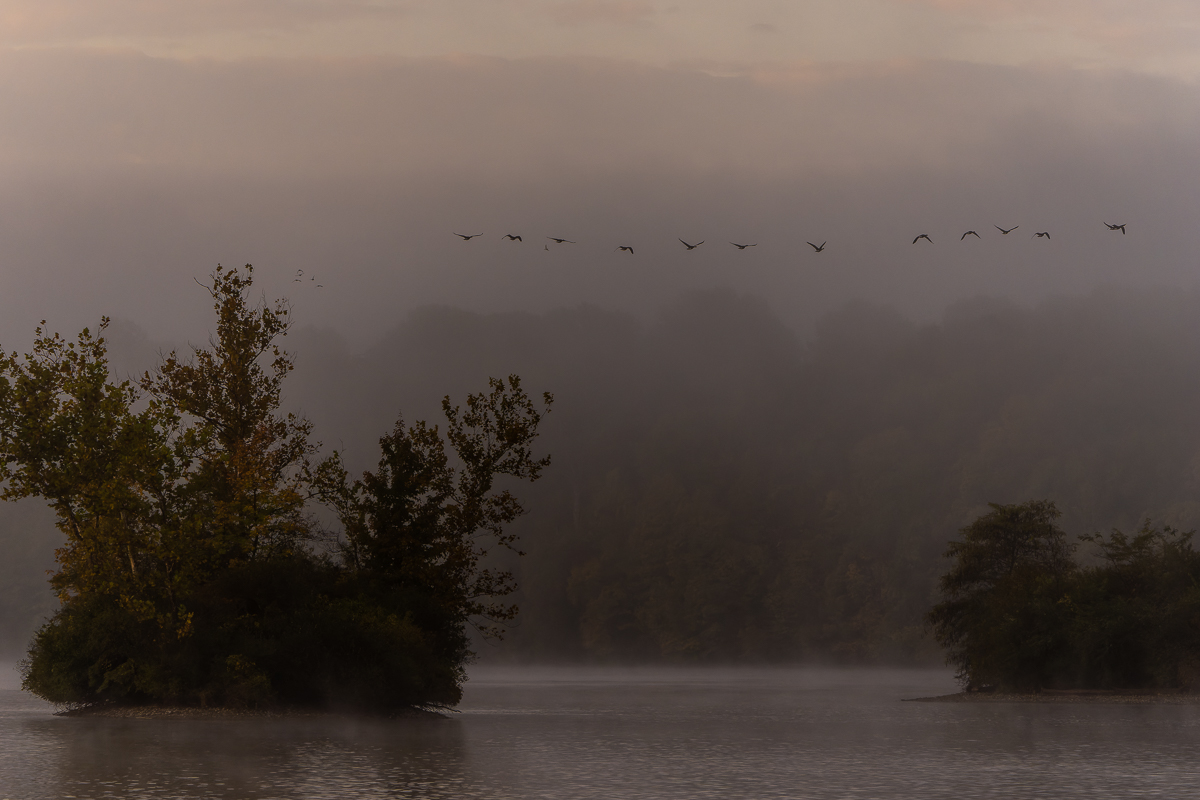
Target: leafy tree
(1004,616)
(418,530)
(1137,620)
(70,436)
(193,572)
(246,465)
(156,503)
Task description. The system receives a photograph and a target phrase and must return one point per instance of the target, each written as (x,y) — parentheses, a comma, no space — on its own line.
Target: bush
(1018,614)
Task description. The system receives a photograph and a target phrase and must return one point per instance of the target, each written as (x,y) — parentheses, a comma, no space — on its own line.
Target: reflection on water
(580,733)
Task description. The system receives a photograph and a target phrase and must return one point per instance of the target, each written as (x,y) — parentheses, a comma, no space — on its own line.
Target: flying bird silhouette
(969,233)
(1120,228)
(1041,234)
(467,238)
(924,236)
(625,247)
(691,246)
(512,237)
(743,246)
(818,249)
(1006,232)
(560,241)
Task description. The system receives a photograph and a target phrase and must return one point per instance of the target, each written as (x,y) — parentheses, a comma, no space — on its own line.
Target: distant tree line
(728,489)
(193,569)
(1019,613)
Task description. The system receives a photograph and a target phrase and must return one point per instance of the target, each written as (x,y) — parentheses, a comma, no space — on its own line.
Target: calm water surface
(580,733)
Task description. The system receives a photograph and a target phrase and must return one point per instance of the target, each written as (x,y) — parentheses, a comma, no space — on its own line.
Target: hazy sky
(143,141)
(1153,35)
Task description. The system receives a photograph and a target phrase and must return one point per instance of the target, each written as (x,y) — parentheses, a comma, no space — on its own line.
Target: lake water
(590,733)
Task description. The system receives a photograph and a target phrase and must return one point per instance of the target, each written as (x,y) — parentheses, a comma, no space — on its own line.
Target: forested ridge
(725,489)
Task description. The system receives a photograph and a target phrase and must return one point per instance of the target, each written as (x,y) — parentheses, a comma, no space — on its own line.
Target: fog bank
(126,176)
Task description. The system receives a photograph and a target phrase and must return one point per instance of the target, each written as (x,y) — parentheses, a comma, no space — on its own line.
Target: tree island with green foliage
(1019,614)
(194,571)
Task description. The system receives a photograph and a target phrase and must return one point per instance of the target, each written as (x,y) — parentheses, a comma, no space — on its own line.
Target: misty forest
(599,399)
(723,490)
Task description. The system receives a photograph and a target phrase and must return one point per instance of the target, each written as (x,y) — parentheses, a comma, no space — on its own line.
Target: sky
(343,143)
(1159,36)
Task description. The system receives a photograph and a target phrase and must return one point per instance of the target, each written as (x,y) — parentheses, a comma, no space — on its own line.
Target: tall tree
(1001,617)
(70,435)
(1137,611)
(420,530)
(247,464)
(189,572)
(154,503)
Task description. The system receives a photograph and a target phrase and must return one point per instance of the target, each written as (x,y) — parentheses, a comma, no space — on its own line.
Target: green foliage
(423,528)
(1005,598)
(245,464)
(193,571)
(1137,613)
(70,436)
(1018,614)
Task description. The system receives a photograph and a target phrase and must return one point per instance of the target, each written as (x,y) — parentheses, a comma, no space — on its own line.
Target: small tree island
(1019,614)
(194,572)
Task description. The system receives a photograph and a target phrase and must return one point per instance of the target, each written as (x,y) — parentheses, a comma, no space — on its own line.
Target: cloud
(1159,36)
(1154,29)
(1067,9)
(611,12)
(43,21)
(490,118)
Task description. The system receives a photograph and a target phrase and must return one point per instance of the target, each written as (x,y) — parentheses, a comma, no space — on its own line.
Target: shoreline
(1065,696)
(192,712)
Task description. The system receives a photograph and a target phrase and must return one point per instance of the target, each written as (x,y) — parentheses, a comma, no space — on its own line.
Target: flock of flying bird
(629,248)
(513,237)
(300,279)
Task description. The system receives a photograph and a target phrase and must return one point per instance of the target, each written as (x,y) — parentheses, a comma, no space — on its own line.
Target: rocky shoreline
(1066,696)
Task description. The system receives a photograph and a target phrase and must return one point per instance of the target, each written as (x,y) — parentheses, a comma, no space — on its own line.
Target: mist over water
(629,733)
(758,455)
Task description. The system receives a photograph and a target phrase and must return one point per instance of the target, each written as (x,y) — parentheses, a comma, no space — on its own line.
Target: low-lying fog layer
(723,489)
(629,733)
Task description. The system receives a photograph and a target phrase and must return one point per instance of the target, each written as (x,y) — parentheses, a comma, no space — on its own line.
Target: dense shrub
(1019,614)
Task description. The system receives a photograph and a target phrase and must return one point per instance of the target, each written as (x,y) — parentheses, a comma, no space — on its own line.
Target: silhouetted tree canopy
(1003,616)
(1018,613)
(193,569)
